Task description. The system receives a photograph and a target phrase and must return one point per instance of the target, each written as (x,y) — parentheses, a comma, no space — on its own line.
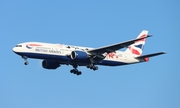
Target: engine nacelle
(50,64)
(79,55)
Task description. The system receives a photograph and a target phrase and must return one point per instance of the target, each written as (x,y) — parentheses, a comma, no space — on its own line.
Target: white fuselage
(62,54)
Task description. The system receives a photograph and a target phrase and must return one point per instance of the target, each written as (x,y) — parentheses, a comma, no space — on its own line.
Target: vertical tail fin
(137,48)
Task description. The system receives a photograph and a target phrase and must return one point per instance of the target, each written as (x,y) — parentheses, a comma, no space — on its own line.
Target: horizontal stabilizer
(150,55)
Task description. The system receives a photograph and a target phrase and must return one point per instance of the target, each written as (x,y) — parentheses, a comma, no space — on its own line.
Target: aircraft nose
(14,49)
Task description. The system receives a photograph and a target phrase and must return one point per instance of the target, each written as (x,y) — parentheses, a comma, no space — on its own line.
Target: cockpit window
(18,45)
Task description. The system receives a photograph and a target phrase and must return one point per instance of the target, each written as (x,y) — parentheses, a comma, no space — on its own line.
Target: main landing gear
(93,67)
(75,70)
(25,59)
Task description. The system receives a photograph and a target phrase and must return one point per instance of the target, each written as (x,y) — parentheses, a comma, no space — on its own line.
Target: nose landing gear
(25,59)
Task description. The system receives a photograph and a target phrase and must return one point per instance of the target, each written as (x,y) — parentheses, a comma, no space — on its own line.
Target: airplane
(55,55)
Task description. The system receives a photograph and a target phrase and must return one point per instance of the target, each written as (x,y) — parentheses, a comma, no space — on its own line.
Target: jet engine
(50,64)
(79,55)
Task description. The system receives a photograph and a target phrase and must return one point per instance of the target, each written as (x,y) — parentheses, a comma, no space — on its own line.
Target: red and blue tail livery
(136,48)
(55,55)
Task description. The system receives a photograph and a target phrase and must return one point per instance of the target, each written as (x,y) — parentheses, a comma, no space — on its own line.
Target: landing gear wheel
(88,66)
(78,73)
(95,68)
(71,71)
(26,63)
(92,66)
(75,71)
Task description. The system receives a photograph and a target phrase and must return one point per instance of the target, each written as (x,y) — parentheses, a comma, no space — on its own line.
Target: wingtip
(163,52)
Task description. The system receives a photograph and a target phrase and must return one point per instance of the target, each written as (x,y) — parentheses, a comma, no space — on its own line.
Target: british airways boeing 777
(55,55)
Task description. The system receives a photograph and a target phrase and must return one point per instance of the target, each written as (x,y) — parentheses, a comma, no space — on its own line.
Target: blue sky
(90,23)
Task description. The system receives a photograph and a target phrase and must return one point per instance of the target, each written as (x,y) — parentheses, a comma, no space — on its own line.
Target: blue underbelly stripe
(68,60)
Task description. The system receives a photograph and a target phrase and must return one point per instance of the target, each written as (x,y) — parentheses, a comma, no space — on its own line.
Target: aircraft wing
(114,47)
(150,55)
